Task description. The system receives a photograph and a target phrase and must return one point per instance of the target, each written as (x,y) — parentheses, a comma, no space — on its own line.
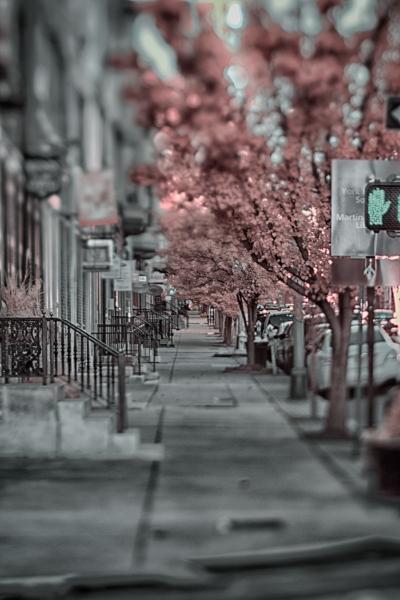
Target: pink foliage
(280,213)
(206,262)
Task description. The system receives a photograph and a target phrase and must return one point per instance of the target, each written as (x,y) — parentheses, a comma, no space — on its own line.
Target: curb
(308,554)
(58,586)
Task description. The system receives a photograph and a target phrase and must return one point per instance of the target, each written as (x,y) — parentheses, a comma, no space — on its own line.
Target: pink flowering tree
(253,133)
(208,264)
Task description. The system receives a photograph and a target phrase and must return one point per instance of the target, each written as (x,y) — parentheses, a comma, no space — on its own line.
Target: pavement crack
(171,373)
(142,536)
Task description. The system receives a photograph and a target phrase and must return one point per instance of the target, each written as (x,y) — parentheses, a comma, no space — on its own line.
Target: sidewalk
(236,477)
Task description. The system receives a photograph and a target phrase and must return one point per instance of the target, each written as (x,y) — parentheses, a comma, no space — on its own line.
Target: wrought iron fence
(51,348)
(135,337)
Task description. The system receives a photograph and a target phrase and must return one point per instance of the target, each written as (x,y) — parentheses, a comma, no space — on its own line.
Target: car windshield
(276,320)
(383,314)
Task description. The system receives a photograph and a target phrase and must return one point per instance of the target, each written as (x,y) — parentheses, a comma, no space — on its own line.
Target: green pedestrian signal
(377,206)
(382,206)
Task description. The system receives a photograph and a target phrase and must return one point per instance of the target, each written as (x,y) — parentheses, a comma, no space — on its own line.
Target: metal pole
(51,339)
(121,413)
(44,348)
(313,395)
(298,375)
(272,345)
(5,352)
(359,420)
(370,341)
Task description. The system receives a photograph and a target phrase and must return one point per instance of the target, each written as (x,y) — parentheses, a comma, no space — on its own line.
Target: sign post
(359,412)
(370,273)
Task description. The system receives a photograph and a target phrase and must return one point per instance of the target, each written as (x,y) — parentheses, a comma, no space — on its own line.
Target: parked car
(385,318)
(284,339)
(382,315)
(386,359)
(273,321)
(284,346)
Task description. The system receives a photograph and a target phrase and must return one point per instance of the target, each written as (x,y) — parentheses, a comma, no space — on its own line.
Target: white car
(386,359)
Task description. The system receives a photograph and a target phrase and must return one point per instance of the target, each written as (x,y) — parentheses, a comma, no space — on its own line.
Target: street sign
(358,271)
(370,274)
(382,206)
(349,234)
(114,271)
(124,282)
(139,282)
(393,112)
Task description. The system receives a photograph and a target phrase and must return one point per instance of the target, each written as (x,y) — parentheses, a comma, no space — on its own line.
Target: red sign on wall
(97,202)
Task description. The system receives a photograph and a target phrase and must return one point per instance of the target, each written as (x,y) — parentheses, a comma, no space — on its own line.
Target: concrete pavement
(236,477)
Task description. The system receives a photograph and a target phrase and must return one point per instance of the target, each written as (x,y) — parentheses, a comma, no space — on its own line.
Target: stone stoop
(39,422)
(135,378)
(29,422)
(152,377)
(166,343)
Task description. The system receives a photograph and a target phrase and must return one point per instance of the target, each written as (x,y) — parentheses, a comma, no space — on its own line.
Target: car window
(355,339)
(355,336)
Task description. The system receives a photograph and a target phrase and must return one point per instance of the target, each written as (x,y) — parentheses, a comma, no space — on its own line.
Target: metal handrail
(179,321)
(165,318)
(152,318)
(50,347)
(89,336)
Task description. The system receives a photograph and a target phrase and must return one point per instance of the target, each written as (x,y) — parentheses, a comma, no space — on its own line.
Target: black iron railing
(211,316)
(52,348)
(161,323)
(179,319)
(135,337)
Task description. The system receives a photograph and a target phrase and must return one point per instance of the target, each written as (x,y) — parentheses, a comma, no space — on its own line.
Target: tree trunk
(217,320)
(228,331)
(251,319)
(336,419)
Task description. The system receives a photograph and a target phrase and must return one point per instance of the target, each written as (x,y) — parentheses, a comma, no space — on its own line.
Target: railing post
(121,412)
(44,348)
(5,353)
(51,340)
(140,355)
(154,354)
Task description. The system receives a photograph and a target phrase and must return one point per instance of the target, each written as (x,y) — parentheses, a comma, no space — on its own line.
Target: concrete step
(124,445)
(38,421)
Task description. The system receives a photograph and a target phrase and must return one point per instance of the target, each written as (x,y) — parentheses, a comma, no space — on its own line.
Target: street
(236,478)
